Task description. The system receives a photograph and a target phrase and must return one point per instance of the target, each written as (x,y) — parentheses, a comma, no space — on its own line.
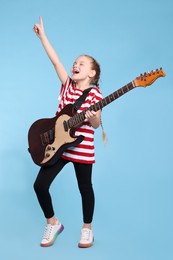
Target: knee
(85,188)
(39,188)
(36,187)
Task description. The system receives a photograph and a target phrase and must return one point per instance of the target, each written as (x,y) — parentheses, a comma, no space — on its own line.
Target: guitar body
(48,138)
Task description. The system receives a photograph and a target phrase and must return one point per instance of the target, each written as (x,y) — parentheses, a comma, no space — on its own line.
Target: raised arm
(59,67)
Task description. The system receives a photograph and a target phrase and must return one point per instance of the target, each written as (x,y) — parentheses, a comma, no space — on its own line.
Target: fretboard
(80,117)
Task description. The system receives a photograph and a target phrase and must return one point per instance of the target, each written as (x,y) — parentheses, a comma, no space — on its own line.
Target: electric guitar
(48,138)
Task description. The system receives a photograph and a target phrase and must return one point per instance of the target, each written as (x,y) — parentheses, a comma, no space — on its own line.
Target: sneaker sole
(86,245)
(53,240)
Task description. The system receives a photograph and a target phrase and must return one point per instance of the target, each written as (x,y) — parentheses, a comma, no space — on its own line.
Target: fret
(115,94)
(76,119)
(107,100)
(103,102)
(125,89)
(130,86)
(120,93)
(111,98)
(98,106)
(70,123)
(80,117)
(92,107)
(73,121)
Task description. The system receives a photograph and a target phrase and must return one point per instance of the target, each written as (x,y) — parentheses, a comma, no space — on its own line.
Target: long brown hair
(95,66)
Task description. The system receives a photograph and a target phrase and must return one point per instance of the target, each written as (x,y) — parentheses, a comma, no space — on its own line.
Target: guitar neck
(80,117)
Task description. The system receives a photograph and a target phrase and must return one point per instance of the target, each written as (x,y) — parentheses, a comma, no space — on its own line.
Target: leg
(84,175)
(42,184)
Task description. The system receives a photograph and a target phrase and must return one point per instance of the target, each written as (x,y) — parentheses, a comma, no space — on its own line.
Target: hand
(93,117)
(39,28)
(90,114)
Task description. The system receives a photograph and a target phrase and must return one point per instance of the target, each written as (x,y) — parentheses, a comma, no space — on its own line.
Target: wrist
(94,122)
(43,37)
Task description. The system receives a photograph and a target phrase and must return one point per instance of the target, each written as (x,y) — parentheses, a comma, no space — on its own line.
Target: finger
(41,21)
(87,115)
(90,114)
(36,28)
(94,113)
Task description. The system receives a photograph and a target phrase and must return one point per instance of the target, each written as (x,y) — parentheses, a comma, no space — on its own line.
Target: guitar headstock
(147,79)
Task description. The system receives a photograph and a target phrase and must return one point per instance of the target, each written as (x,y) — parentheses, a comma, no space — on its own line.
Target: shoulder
(68,82)
(67,86)
(96,92)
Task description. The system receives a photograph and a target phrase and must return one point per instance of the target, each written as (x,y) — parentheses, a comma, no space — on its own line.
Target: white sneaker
(86,239)
(50,234)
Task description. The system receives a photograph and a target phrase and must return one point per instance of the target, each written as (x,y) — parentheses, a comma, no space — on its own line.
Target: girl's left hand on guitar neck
(93,117)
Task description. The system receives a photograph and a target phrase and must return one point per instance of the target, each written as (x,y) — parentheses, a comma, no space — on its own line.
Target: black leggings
(46,176)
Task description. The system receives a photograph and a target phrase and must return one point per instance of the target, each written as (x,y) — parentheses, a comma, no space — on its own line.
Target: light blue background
(133,173)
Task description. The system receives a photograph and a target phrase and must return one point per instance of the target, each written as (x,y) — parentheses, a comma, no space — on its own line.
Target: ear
(92,73)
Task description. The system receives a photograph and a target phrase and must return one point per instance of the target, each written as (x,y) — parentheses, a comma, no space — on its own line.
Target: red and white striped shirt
(83,152)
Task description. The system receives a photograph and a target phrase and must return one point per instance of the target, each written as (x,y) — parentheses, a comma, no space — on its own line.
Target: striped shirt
(83,152)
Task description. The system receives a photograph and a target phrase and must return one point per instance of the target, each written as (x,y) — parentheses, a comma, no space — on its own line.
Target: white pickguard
(61,137)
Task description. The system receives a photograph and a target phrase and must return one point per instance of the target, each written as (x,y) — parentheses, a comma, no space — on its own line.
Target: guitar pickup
(65,125)
(47,137)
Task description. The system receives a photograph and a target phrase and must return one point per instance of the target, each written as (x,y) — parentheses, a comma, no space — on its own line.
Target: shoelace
(47,232)
(85,234)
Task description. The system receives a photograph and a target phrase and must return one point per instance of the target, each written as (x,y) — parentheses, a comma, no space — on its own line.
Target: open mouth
(75,71)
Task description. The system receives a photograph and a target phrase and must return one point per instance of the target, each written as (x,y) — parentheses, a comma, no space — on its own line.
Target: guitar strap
(81,99)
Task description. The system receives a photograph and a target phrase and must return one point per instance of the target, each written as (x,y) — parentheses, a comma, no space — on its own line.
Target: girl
(84,74)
